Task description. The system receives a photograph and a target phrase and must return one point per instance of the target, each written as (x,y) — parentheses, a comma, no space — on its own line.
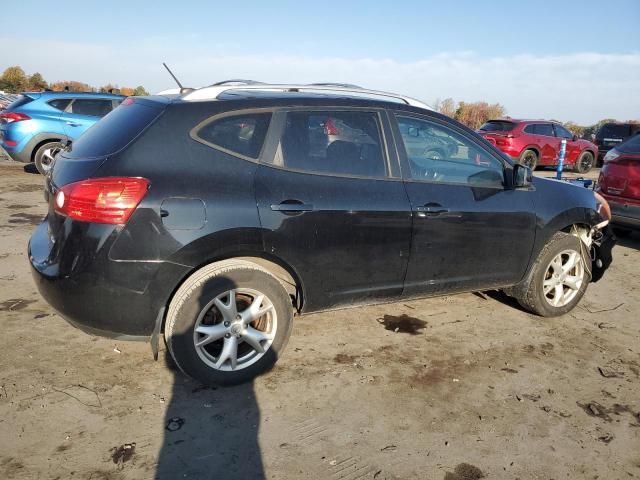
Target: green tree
(13,80)
(36,82)
(140,91)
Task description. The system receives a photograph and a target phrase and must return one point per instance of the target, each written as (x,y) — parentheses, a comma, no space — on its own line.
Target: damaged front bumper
(603,241)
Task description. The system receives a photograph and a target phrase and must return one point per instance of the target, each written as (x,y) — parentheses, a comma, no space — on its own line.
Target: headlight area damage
(597,241)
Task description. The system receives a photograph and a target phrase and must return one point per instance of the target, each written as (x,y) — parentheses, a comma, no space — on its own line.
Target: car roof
(525,120)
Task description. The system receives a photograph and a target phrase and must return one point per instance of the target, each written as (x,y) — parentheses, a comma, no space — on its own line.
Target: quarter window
(91,107)
(60,103)
(333,142)
(239,134)
(440,154)
(530,129)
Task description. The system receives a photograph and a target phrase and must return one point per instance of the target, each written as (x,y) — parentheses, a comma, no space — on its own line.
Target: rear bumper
(98,295)
(624,214)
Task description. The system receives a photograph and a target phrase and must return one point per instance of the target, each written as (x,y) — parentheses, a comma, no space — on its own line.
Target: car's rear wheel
(558,279)
(44,156)
(228,323)
(584,163)
(529,158)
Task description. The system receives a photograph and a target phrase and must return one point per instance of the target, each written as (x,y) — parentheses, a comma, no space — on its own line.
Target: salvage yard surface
(453,388)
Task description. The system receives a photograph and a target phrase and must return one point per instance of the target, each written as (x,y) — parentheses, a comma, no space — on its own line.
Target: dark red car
(619,183)
(536,143)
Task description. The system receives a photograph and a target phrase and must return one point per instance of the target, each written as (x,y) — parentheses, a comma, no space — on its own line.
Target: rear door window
(333,142)
(545,129)
(91,107)
(241,135)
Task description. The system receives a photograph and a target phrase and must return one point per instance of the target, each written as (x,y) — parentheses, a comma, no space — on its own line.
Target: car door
(83,113)
(549,144)
(573,147)
(471,230)
(332,204)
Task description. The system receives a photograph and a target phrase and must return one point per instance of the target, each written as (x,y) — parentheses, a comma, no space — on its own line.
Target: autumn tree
(446,107)
(36,82)
(140,91)
(13,80)
(473,115)
(71,85)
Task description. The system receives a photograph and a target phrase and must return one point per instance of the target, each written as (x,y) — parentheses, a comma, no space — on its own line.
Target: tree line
(15,80)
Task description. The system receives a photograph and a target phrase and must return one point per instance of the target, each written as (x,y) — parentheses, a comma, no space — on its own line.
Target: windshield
(614,130)
(115,130)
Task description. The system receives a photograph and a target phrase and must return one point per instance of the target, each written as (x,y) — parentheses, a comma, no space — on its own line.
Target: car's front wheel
(558,279)
(43,158)
(228,323)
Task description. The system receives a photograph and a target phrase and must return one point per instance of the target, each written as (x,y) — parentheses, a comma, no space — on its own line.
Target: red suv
(537,143)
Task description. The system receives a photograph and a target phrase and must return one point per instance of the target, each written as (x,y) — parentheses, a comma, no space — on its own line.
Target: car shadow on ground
(209,432)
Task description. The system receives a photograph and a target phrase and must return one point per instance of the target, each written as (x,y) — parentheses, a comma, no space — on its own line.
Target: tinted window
(242,134)
(60,103)
(562,132)
(631,145)
(531,129)
(544,129)
(613,130)
(342,143)
(91,107)
(497,126)
(114,131)
(439,154)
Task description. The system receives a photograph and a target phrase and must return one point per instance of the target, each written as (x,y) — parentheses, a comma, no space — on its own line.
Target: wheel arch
(40,139)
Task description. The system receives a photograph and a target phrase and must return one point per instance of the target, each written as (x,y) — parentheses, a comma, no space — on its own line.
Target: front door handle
(431,210)
(72,124)
(291,206)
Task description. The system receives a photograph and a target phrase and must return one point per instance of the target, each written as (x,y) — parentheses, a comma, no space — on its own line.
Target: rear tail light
(330,127)
(11,117)
(101,200)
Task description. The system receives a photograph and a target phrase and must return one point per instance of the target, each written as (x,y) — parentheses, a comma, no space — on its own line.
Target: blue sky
(571,60)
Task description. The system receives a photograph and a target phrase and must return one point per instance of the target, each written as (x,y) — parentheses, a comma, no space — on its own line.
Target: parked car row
(34,127)
(210,216)
(6,99)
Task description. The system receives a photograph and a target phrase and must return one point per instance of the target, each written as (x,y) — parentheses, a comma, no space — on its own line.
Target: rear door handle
(431,210)
(72,124)
(292,206)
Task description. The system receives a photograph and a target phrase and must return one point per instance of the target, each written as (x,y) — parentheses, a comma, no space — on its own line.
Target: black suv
(612,134)
(212,216)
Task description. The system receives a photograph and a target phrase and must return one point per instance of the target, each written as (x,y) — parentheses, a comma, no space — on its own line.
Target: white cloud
(583,87)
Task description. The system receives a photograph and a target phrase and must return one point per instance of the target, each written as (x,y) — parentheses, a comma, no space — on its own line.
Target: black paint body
(355,240)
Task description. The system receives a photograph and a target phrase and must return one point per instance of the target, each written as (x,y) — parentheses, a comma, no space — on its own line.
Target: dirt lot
(453,387)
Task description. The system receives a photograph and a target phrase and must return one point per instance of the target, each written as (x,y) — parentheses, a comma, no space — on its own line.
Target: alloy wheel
(235,329)
(563,278)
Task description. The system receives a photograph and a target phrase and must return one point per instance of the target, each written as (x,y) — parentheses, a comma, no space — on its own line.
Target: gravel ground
(453,387)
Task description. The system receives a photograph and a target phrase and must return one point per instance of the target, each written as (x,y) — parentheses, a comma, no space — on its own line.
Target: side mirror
(522,176)
(574,138)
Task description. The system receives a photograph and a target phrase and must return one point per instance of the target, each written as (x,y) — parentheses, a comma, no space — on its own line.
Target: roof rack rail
(238,81)
(332,84)
(214,92)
